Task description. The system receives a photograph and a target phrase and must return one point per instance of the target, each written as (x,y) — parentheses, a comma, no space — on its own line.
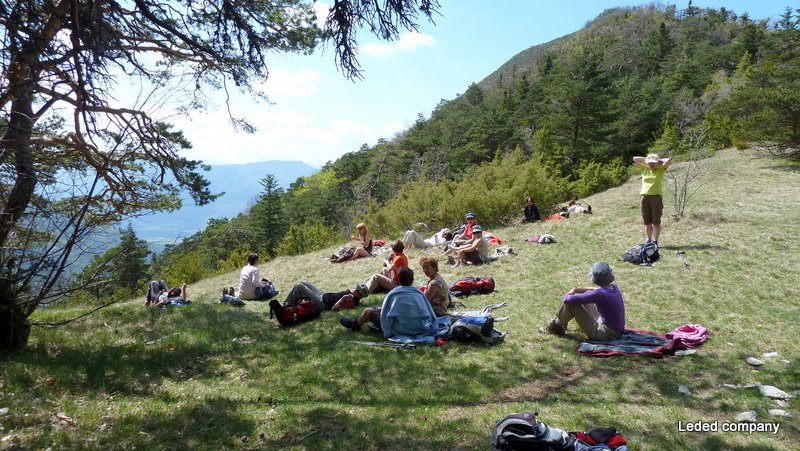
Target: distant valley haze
(240,182)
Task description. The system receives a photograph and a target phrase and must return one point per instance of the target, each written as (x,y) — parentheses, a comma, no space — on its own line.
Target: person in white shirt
(251,285)
(413,239)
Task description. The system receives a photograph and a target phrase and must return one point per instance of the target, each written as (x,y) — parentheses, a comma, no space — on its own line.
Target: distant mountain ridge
(241,187)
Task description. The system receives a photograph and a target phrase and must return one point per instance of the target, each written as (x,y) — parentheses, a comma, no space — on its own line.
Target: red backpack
(290,313)
(466,286)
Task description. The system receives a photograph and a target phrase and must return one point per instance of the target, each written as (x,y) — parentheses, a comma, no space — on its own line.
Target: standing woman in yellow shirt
(652,168)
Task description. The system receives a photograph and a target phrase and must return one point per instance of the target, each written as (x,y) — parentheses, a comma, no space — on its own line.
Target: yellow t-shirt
(651,180)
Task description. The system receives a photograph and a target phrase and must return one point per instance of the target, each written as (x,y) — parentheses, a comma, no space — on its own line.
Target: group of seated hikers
(599,311)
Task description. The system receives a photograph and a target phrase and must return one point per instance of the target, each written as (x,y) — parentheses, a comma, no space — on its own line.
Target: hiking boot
(231,291)
(553,328)
(224,291)
(349,323)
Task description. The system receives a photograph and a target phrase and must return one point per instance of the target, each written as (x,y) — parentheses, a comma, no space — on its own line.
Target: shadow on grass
(693,247)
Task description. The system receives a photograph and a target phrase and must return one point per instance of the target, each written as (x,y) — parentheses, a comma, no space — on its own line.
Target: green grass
(212,377)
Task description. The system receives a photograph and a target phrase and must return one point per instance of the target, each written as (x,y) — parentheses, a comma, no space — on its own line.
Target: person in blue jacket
(405,311)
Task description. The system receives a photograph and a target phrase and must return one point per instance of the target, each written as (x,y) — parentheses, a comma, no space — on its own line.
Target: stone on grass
(780,413)
(754,361)
(4,411)
(770,354)
(684,390)
(781,403)
(747,417)
(686,352)
(773,392)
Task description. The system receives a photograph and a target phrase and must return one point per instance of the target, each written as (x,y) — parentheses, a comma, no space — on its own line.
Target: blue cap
(469,216)
(477,229)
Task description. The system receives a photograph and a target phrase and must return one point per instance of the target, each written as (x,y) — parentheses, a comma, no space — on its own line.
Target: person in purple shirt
(599,311)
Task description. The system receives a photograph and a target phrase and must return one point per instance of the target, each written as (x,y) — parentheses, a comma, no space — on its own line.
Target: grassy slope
(223,378)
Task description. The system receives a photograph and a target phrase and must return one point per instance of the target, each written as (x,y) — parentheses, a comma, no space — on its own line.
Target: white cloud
(281,135)
(281,82)
(408,42)
(391,128)
(321,11)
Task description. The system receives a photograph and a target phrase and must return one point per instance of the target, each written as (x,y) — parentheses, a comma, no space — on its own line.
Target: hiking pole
(682,256)
(379,344)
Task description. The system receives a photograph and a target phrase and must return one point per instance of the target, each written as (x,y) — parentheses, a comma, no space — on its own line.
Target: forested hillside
(558,121)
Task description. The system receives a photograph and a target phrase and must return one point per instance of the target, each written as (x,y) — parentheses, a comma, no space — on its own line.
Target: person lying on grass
(599,311)
(413,238)
(327,301)
(405,311)
(175,297)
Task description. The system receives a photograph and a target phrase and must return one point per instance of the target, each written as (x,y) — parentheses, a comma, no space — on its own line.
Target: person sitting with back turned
(405,311)
(599,311)
(251,285)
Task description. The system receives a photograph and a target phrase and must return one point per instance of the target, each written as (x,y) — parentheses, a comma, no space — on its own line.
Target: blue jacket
(406,311)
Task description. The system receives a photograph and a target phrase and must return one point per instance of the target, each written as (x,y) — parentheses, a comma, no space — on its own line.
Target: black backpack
(521,431)
(642,253)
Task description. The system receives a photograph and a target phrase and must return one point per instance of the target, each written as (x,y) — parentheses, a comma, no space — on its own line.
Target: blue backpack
(645,253)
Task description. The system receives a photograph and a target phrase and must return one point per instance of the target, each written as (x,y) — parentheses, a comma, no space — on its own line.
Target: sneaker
(349,323)
(553,328)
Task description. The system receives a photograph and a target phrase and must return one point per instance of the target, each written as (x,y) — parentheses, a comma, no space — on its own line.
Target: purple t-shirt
(608,302)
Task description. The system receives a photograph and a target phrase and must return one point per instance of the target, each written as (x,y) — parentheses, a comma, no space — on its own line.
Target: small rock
(781,403)
(773,392)
(684,390)
(686,352)
(4,411)
(780,413)
(786,361)
(754,361)
(737,386)
(747,417)
(770,354)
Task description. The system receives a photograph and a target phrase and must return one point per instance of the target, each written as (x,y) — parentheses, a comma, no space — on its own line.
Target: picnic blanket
(644,342)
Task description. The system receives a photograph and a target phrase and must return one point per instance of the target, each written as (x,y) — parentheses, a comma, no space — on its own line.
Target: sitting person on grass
(599,311)
(405,311)
(251,285)
(465,236)
(327,301)
(436,291)
(531,212)
(413,238)
(388,277)
(475,252)
(365,238)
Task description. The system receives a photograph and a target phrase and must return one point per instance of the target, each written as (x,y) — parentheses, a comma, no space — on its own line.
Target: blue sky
(315,114)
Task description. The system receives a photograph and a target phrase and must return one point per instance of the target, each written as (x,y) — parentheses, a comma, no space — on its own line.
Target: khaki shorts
(652,206)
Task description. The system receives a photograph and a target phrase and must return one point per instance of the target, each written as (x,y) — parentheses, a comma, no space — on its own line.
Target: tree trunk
(16,144)
(14,327)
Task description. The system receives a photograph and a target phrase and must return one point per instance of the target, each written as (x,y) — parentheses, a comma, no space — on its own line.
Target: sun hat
(600,274)
(477,229)
(651,158)
(469,216)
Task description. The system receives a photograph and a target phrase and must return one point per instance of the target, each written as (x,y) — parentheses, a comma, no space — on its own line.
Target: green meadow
(209,376)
